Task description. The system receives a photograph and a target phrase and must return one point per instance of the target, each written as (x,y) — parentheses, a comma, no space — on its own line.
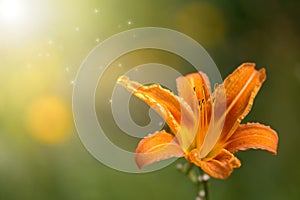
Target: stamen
(203,118)
(204,109)
(202,122)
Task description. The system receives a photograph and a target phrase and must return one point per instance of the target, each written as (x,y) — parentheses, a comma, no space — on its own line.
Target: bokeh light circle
(49,119)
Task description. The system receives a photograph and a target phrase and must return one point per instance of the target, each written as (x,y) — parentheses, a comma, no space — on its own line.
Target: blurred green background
(43,43)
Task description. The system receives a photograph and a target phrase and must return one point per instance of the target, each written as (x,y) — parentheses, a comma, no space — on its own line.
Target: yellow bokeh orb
(203,22)
(49,119)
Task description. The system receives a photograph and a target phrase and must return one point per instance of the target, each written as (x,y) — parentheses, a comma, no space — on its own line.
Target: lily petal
(199,83)
(186,92)
(217,117)
(241,88)
(190,116)
(165,103)
(253,135)
(189,86)
(219,167)
(156,147)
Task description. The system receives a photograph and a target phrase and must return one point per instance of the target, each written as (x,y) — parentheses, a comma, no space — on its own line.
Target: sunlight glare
(12,11)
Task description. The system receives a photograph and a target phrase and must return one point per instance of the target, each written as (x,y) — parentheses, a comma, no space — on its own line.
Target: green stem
(206,190)
(197,177)
(189,167)
(204,181)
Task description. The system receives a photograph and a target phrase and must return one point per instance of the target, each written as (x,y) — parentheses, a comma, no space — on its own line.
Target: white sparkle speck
(199,178)
(205,177)
(97,40)
(50,42)
(77,29)
(179,166)
(201,193)
(67,69)
(110,101)
(72,82)
(129,23)
(96,11)
(120,65)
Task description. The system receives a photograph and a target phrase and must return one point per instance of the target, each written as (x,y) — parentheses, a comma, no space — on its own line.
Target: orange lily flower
(206,126)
